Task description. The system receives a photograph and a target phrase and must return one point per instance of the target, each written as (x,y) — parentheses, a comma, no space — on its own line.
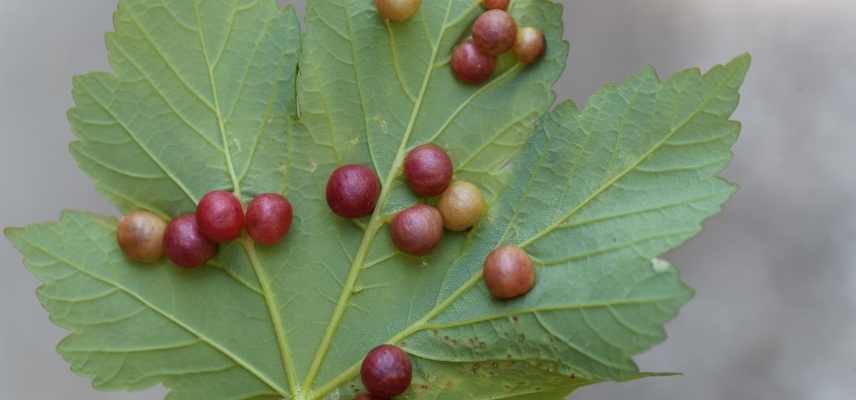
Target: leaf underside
(206,95)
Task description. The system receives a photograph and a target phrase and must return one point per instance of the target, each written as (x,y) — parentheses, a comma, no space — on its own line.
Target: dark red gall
(495,4)
(417,230)
(471,65)
(352,191)
(386,371)
(185,245)
(428,170)
(494,32)
(220,216)
(269,218)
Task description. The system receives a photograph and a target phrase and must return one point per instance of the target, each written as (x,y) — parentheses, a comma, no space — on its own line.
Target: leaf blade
(173,103)
(59,254)
(553,139)
(203,98)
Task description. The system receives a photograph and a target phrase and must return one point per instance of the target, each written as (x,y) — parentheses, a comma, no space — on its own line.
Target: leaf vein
(139,143)
(633,166)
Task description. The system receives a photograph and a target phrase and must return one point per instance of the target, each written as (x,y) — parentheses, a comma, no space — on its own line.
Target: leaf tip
(77,82)
(744,59)
(740,65)
(11,233)
(649,70)
(74,148)
(691,292)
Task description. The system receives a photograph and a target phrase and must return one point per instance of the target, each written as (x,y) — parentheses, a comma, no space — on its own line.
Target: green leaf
(205,95)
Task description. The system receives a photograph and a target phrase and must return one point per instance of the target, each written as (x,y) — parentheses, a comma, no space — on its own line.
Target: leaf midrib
(247,244)
(376,222)
(227,149)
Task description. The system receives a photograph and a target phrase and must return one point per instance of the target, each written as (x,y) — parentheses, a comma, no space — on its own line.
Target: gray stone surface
(775,315)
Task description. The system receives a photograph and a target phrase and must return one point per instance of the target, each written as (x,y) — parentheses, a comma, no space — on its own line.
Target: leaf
(205,95)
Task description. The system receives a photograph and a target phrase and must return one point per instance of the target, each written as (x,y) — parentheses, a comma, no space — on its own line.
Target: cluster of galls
(353,192)
(191,240)
(494,33)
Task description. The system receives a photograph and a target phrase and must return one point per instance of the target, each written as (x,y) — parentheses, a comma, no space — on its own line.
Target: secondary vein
(236,184)
(273,309)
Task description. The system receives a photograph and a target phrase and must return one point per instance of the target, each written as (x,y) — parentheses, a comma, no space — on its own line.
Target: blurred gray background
(775,314)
